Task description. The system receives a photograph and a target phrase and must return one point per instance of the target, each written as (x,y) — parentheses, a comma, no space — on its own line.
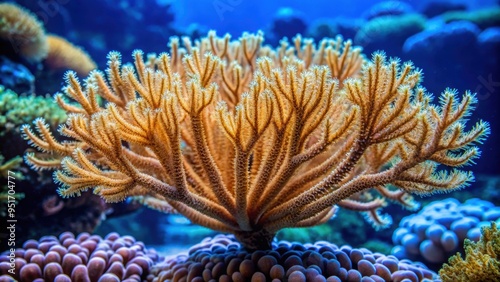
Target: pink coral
(82,258)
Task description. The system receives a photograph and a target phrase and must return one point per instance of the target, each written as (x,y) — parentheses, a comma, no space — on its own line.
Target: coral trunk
(256,239)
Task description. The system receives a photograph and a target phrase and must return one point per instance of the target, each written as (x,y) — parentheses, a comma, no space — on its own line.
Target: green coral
(6,169)
(378,246)
(482,18)
(9,165)
(482,259)
(323,232)
(16,110)
(345,224)
(388,28)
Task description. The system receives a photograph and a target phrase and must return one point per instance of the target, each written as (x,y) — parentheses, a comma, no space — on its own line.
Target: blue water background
(245,15)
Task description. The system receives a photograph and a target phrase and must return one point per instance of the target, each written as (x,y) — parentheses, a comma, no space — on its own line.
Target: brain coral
(221,259)
(438,231)
(84,258)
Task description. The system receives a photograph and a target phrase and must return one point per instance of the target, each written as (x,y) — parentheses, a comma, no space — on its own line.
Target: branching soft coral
(481,262)
(247,139)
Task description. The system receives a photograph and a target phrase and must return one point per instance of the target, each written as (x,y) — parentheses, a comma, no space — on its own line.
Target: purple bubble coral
(82,258)
(222,259)
(439,229)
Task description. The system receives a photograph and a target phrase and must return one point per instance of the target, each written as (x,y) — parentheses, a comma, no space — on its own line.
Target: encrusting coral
(481,262)
(23,31)
(246,139)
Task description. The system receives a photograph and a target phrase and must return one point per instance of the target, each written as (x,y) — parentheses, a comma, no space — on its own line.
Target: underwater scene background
(277,140)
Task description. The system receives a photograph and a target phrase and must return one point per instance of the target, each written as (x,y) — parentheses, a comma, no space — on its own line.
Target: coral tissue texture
(84,258)
(221,259)
(248,139)
(23,31)
(481,262)
(440,228)
(64,55)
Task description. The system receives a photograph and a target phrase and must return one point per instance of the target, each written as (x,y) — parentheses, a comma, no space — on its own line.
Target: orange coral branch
(248,139)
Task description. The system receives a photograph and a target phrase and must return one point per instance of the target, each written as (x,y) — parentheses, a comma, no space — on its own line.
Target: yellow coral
(64,55)
(482,259)
(23,31)
(247,139)
(8,172)
(9,165)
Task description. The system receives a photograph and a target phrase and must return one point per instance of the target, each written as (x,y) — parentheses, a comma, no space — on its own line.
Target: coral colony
(23,30)
(247,139)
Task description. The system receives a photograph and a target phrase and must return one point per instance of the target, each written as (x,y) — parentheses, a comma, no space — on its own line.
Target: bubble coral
(23,31)
(481,262)
(221,258)
(439,229)
(82,258)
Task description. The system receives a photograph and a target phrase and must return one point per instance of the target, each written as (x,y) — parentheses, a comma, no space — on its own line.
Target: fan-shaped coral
(23,31)
(248,139)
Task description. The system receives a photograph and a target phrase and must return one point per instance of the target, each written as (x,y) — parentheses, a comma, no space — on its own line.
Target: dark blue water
(237,16)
